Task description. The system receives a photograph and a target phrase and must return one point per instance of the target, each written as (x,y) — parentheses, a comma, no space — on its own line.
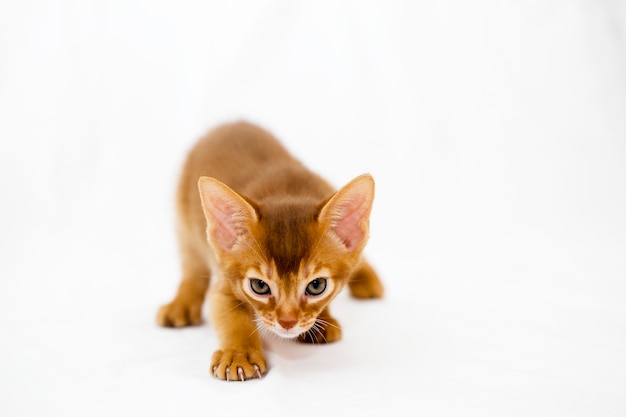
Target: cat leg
(365,283)
(325,330)
(240,356)
(186,308)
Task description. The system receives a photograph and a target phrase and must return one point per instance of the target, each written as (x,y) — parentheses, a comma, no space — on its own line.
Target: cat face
(289,305)
(288,267)
(287,258)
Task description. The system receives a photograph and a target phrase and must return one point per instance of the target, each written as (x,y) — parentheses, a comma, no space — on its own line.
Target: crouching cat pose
(278,238)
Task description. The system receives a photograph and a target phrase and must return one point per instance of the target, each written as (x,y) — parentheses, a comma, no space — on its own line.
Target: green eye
(316,287)
(259,286)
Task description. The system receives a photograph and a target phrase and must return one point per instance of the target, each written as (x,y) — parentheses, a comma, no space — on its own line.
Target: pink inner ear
(349,222)
(227,225)
(228,215)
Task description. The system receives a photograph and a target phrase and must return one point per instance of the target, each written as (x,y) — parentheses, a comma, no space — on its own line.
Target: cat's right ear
(228,215)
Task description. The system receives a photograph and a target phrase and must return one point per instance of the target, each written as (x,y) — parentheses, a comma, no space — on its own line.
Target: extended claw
(214,370)
(240,373)
(228,373)
(257,371)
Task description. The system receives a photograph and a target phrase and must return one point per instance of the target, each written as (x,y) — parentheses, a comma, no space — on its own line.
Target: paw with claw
(238,364)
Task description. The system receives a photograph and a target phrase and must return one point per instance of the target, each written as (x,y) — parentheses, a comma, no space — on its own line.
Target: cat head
(288,257)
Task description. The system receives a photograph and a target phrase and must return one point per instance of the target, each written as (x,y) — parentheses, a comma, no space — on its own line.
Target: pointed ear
(228,215)
(348,211)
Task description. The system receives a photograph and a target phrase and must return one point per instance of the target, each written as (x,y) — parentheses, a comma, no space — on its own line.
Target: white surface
(497,135)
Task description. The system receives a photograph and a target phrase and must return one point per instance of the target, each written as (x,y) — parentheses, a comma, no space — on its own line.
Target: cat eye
(260,287)
(316,287)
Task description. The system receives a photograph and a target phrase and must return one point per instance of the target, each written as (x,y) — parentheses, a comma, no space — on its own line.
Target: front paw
(238,364)
(325,330)
(180,313)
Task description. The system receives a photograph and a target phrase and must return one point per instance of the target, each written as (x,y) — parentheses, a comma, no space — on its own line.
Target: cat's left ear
(348,212)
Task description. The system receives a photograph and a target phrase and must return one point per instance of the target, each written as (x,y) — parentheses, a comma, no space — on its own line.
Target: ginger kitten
(279,240)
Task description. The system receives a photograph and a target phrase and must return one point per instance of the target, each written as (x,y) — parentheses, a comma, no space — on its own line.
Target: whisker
(257,327)
(318,329)
(262,328)
(311,335)
(321,334)
(327,323)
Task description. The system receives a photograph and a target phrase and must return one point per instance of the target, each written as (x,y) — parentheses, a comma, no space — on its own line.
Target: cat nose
(287,323)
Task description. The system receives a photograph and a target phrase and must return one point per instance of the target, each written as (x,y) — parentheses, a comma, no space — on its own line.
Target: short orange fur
(253,217)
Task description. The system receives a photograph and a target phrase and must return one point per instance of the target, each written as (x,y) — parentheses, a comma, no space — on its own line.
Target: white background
(496,131)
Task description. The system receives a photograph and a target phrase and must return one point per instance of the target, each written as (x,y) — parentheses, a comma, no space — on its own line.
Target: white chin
(286,334)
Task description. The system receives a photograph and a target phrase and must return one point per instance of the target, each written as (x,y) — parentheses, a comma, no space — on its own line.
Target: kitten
(279,239)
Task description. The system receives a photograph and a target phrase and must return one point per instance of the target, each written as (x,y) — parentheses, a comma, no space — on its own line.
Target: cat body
(279,240)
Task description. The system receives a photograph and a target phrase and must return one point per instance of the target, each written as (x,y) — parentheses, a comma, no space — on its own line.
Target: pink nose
(287,323)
